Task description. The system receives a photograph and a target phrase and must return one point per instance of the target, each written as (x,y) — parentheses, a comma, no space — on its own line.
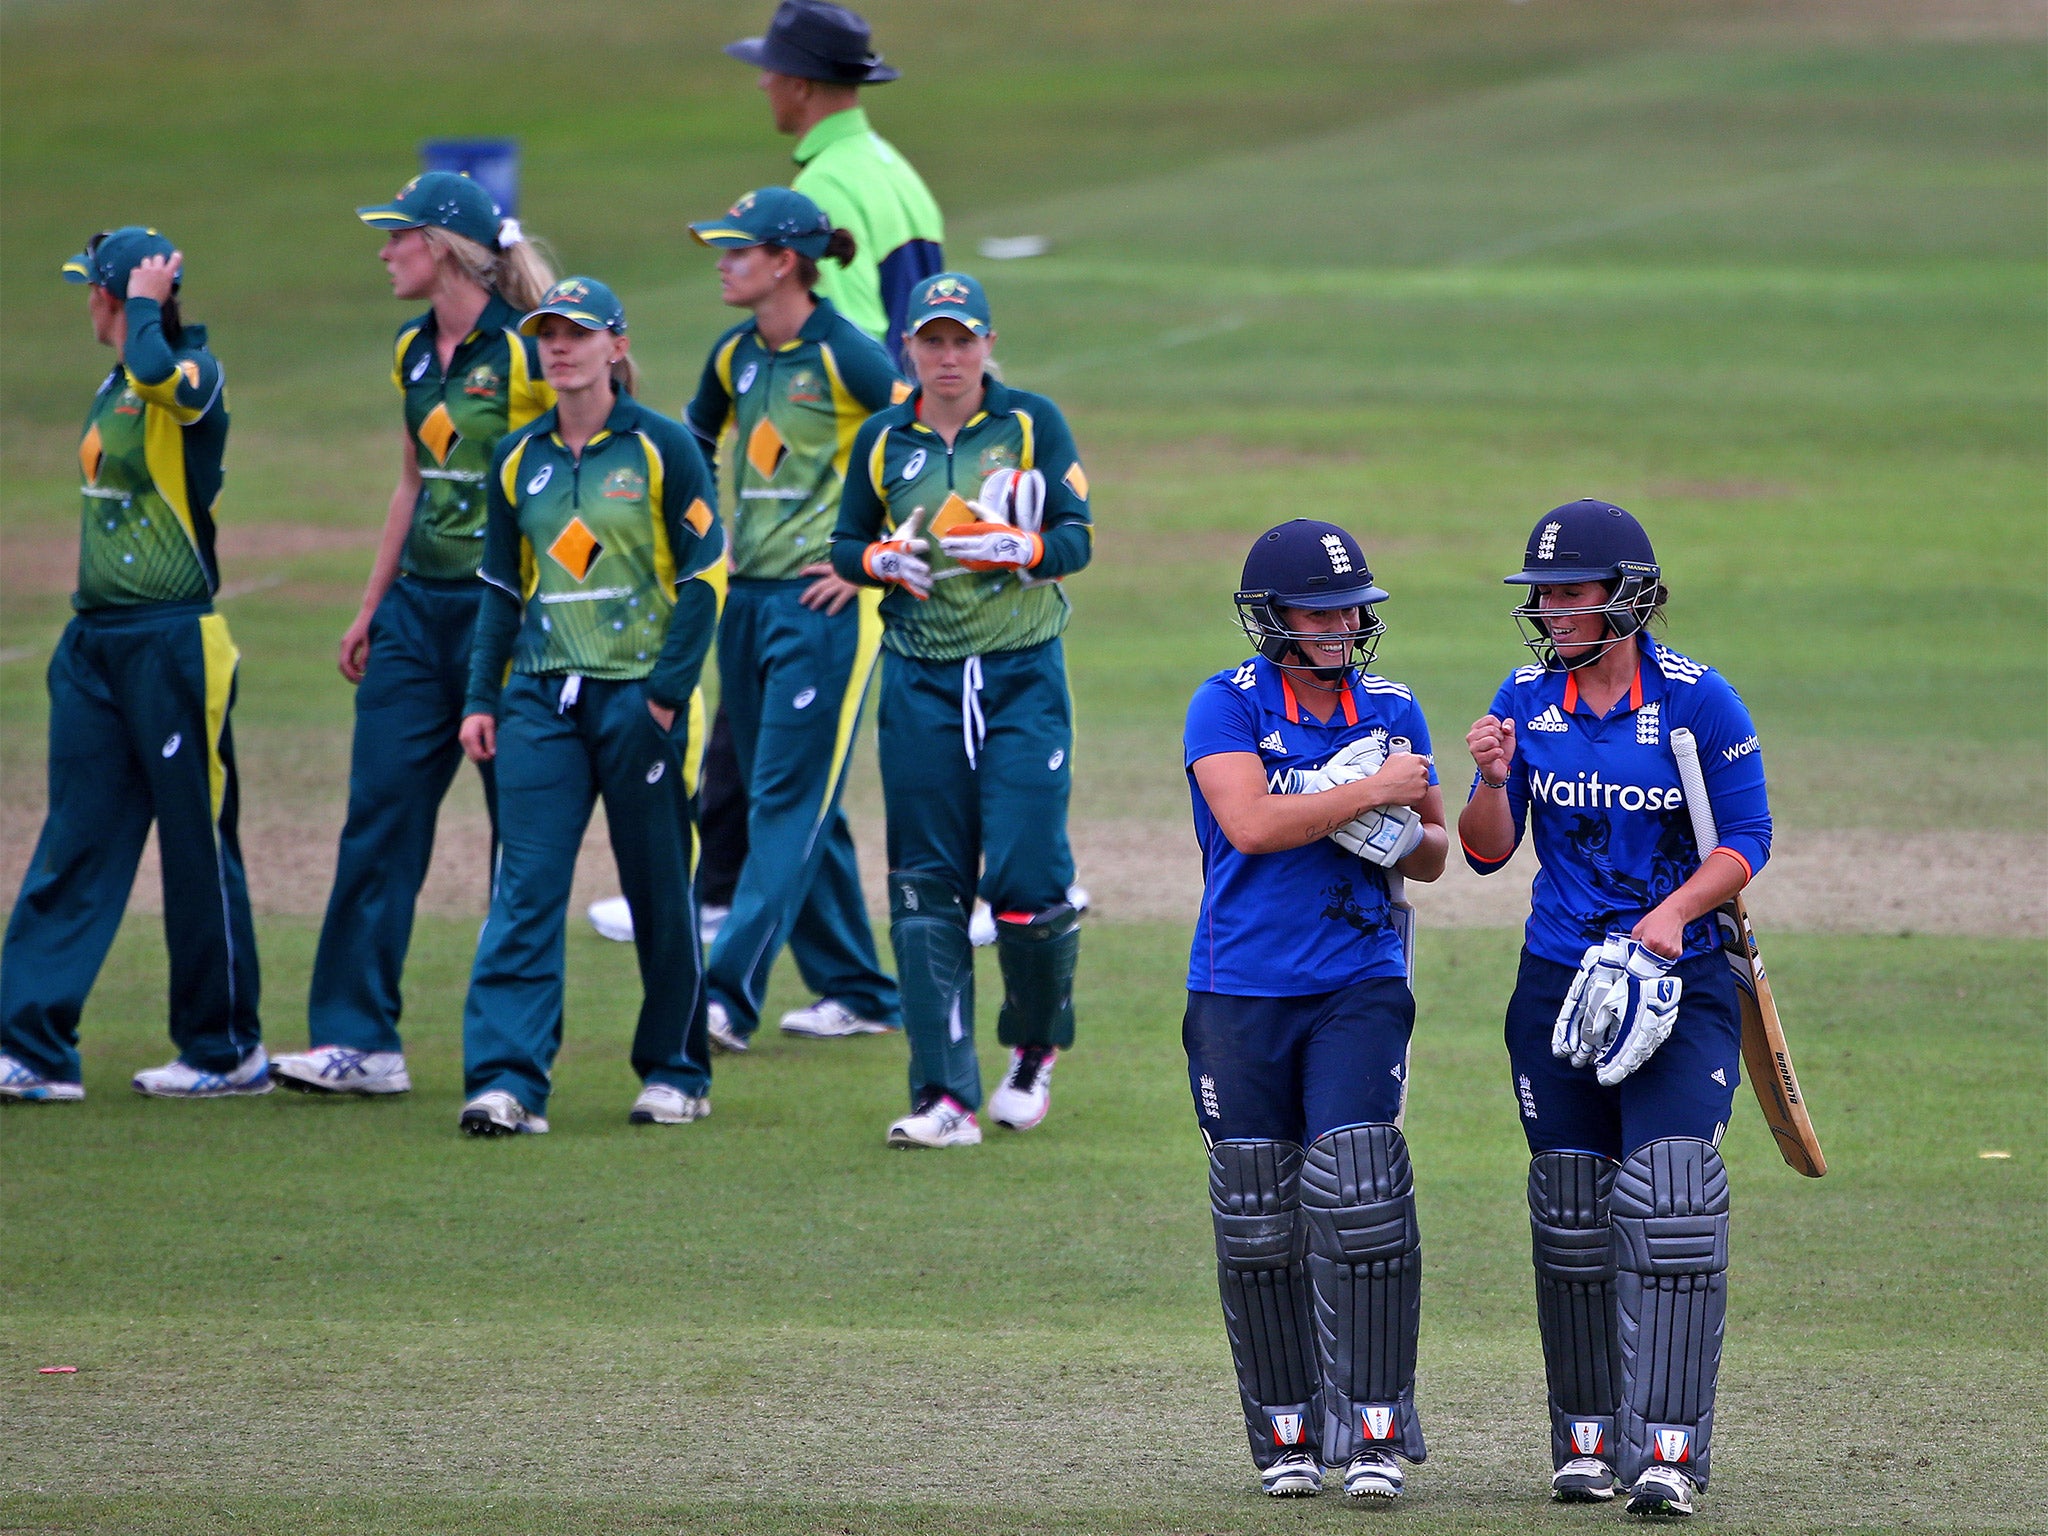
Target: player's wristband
(1487,783)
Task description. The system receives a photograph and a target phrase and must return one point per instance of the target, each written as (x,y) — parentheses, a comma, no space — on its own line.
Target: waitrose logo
(1586,793)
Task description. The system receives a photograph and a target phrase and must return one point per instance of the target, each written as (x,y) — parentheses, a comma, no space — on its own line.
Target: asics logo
(172,742)
(534,486)
(804,699)
(1552,719)
(1587,793)
(419,369)
(655,772)
(747,377)
(914,465)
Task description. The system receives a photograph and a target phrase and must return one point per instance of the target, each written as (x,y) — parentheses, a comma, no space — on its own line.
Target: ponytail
(626,376)
(840,246)
(521,273)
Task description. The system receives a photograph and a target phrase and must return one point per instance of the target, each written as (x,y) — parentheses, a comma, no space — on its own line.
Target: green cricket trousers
(139,705)
(792,682)
(977,764)
(562,742)
(404,757)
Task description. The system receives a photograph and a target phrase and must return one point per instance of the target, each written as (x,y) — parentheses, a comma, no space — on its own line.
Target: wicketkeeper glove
(1383,837)
(993,547)
(895,559)
(1598,970)
(1015,497)
(1636,1015)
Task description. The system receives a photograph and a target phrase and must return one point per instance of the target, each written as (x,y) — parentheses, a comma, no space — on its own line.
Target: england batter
(968,503)
(1623,1033)
(466,377)
(141,686)
(600,556)
(1314,795)
(797,643)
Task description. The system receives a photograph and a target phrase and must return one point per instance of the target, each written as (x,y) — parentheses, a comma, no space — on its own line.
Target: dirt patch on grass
(1824,881)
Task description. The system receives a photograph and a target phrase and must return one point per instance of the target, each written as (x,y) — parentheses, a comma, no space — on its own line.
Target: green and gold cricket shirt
(793,411)
(900,465)
(455,417)
(607,558)
(150,458)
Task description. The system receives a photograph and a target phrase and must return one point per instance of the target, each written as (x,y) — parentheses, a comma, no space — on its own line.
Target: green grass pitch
(1771,276)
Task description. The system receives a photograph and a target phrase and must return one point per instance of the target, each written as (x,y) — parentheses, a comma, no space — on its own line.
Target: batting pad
(1255,1199)
(1575,1300)
(1670,1218)
(1365,1274)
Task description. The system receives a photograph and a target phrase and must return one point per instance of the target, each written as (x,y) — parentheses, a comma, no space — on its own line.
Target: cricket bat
(1765,1054)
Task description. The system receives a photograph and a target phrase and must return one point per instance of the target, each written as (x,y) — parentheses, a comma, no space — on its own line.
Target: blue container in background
(492,162)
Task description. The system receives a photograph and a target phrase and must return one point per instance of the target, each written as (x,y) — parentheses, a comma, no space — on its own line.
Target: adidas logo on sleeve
(1552,719)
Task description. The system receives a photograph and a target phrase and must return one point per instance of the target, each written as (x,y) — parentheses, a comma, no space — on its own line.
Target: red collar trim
(1635,689)
(1348,699)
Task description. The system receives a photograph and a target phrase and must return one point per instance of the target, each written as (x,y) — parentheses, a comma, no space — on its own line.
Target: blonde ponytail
(521,274)
(626,376)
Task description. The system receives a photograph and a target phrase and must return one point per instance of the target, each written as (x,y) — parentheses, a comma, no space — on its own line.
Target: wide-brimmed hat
(813,40)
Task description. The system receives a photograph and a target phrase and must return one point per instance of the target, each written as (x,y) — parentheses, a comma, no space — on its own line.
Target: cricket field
(1772,276)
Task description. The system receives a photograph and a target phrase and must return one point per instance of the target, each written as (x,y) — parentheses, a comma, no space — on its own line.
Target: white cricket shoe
(1373,1475)
(20,1085)
(1297,1475)
(497,1113)
(175,1080)
(938,1121)
(1583,1480)
(723,1036)
(829,1019)
(1661,1493)
(666,1104)
(1026,1091)
(342,1069)
(981,926)
(612,918)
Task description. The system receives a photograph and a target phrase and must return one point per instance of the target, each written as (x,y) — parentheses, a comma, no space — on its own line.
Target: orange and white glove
(896,558)
(993,547)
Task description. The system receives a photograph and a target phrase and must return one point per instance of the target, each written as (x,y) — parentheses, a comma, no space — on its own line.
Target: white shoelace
(973,724)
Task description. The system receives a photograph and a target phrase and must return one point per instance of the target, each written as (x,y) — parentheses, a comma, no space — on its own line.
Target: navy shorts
(1293,1068)
(1686,1089)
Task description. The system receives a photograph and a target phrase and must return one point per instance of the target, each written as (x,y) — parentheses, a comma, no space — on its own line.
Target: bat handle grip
(1686,750)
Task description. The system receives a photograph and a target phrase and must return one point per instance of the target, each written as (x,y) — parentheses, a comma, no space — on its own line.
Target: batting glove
(993,547)
(1350,763)
(1571,1038)
(895,559)
(1015,497)
(1382,837)
(1637,1014)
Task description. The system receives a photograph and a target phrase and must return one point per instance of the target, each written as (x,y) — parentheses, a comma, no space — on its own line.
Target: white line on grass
(1165,341)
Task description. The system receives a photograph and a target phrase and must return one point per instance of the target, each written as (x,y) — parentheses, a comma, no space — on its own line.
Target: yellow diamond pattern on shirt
(700,517)
(952,513)
(438,433)
(765,448)
(90,454)
(1077,479)
(576,549)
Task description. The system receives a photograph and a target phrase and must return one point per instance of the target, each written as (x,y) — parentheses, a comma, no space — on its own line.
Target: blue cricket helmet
(1307,564)
(1587,541)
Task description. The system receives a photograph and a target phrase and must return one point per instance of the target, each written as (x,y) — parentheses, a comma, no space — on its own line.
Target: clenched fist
(1492,745)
